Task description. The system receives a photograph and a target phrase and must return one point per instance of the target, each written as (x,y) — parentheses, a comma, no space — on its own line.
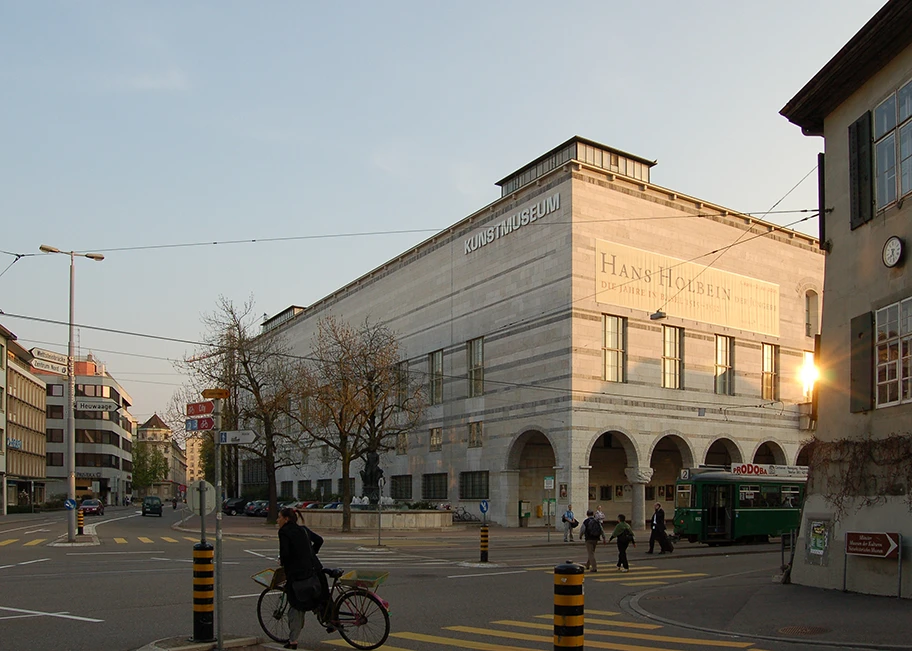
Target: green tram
(748,503)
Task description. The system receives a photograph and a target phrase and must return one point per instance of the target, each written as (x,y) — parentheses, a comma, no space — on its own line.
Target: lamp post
(71,388)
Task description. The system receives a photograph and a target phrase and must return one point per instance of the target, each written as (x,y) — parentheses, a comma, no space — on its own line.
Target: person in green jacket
(624,535)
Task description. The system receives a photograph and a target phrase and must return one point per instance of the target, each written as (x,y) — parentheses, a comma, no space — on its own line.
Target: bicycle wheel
(271,608)
(361,619)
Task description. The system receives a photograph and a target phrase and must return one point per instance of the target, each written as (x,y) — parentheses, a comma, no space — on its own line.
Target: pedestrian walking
(658,530)
(624,535)
(599,515)
(305,582)
(568,519)
(592,533)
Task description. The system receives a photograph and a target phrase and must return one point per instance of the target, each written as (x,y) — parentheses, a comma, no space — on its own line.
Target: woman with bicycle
(305,583)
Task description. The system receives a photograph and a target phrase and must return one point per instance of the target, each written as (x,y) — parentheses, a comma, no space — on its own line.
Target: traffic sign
(50,367)
(49,356)
(92,405)
(483,506)
(215,394)
(244,436)
(200,408)
(208,502)
(198,424)
(70,504)
(549,483)
(878,544)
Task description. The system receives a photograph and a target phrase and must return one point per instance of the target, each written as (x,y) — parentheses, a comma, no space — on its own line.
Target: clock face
(892,251)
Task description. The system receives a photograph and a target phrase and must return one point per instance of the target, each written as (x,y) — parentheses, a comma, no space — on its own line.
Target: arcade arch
(770,453)
(723,452)
(531,458)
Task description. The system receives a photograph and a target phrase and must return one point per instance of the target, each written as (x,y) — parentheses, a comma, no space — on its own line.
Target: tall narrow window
(475,363)
(893,146)
(476,432)
(614,355)
(402,383)
(894,353)
(672,357)
(725,347)
(402,443)
(436,440)
(435,377)
(811,318)
(770,389)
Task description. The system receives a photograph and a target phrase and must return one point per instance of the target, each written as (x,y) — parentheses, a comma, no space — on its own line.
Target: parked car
(255,507)
(92,507)
(332,505)
(234,505)
(152,504)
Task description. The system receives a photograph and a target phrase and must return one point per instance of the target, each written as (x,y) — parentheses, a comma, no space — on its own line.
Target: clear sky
(126,125)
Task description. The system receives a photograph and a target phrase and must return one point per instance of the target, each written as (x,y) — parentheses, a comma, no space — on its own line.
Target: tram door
(717,511)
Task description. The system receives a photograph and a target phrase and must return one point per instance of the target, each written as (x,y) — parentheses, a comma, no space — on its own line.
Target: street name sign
(244,437)
(92,405)
(877,544)
(50,367)
(199,424)
(200,408)
(49,356)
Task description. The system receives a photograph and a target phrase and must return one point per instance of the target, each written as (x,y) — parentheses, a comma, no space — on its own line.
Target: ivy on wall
(861,472)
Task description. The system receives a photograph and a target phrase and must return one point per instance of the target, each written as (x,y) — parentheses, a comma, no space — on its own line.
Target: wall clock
(892,251)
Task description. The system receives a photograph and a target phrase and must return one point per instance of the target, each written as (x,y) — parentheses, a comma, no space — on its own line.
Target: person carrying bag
(305,582)
(624,535)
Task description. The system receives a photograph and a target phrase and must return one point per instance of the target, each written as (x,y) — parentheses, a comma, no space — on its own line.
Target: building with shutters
(591,331)
(158,436)
(860,102)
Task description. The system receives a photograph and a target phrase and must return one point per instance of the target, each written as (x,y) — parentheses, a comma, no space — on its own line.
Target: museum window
(401,487)
(770,375)
(55,411)
(351,486)
(434,486)
(893,147)
(436,440)
(55,459)
(811,318)
(725,350)
(614,354)
(324,489)
(473,485)
(402,383)
(894,353)
(435,377)
(672,358)
(287,490)
(303,488)
(476,434)
(475,365)
(402,443)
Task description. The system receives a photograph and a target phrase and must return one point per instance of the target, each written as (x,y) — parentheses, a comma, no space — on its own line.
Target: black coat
(658,520)
(294,555)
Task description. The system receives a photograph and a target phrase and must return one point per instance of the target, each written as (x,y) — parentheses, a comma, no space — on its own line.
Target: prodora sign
(512,223)
(644,280)
(798,472)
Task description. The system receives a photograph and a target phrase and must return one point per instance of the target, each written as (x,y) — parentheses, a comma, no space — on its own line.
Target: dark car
(152,504)
(92,507)
(256,507)
(234,505)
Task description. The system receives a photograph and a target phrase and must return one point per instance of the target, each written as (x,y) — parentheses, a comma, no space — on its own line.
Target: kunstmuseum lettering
(513,223)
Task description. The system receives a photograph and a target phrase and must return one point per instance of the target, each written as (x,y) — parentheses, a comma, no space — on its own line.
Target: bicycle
(353,609)
(461,515)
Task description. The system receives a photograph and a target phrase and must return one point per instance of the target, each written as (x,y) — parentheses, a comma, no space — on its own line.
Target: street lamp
(71,389)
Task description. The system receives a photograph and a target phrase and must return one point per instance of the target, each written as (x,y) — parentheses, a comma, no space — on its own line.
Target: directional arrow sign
(878,544)
(50,367)
(91,405)
(199,424)
(244,437)
(200,408)
(48,356)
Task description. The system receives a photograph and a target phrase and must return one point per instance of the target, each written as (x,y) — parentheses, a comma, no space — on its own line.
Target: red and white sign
(200,408)
(878,544)
(798,472)
(199,424)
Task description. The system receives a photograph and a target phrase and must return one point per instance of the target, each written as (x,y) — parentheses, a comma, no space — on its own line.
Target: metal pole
(218,522)
(71,404)
(380,483)
(201,487)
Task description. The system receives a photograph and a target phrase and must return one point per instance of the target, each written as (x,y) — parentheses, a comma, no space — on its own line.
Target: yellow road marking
(462,644)
(606,613)
(120,541)
(191,539)
(37,541)
(166,539)
(611,622)
(636,636)
(240,540)
(633,585)
(8,542)
(148,541)
(647,577)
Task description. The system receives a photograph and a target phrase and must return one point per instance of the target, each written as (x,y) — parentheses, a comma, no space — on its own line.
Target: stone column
(638,478)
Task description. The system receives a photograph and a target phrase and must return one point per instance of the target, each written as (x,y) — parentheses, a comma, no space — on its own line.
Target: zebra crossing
(603,630)
(638,576)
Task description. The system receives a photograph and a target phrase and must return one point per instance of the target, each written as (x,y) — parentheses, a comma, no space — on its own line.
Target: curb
(184,644)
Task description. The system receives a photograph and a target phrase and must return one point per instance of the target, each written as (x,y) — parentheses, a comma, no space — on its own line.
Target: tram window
(749,496)
(790,496)
(684,496)
(769,495)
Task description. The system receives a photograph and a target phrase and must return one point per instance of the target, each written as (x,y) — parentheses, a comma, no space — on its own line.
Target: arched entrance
(804,456)
(609,487)
(531,459)
(723,452)
(669,455)
(770,453)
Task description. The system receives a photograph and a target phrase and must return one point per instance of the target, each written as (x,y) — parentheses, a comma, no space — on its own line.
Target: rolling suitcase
(665,543)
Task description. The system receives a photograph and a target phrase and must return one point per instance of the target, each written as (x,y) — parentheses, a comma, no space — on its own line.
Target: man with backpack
(592,533)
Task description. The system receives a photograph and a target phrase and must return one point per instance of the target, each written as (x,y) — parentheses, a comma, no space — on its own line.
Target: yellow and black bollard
(80,522)
(484,543)
(568,606)
(203,592)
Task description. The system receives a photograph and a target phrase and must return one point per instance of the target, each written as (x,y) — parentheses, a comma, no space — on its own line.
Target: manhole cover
(662,597)
(803,630)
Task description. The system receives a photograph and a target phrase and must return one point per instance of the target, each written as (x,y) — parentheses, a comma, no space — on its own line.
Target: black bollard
(568,606)
(203,592)
(484,544)
(80,523)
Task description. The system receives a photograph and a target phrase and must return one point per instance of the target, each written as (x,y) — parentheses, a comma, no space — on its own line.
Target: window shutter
(861,174)
(861,364)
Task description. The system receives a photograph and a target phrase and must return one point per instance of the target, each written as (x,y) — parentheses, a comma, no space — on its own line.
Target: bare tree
(355,395)
(259,372)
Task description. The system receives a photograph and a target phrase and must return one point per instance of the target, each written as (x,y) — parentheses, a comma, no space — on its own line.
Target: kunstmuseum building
(591,327)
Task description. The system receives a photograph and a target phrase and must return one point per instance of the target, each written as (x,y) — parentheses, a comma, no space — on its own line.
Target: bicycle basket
(367,579)
(270,578)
